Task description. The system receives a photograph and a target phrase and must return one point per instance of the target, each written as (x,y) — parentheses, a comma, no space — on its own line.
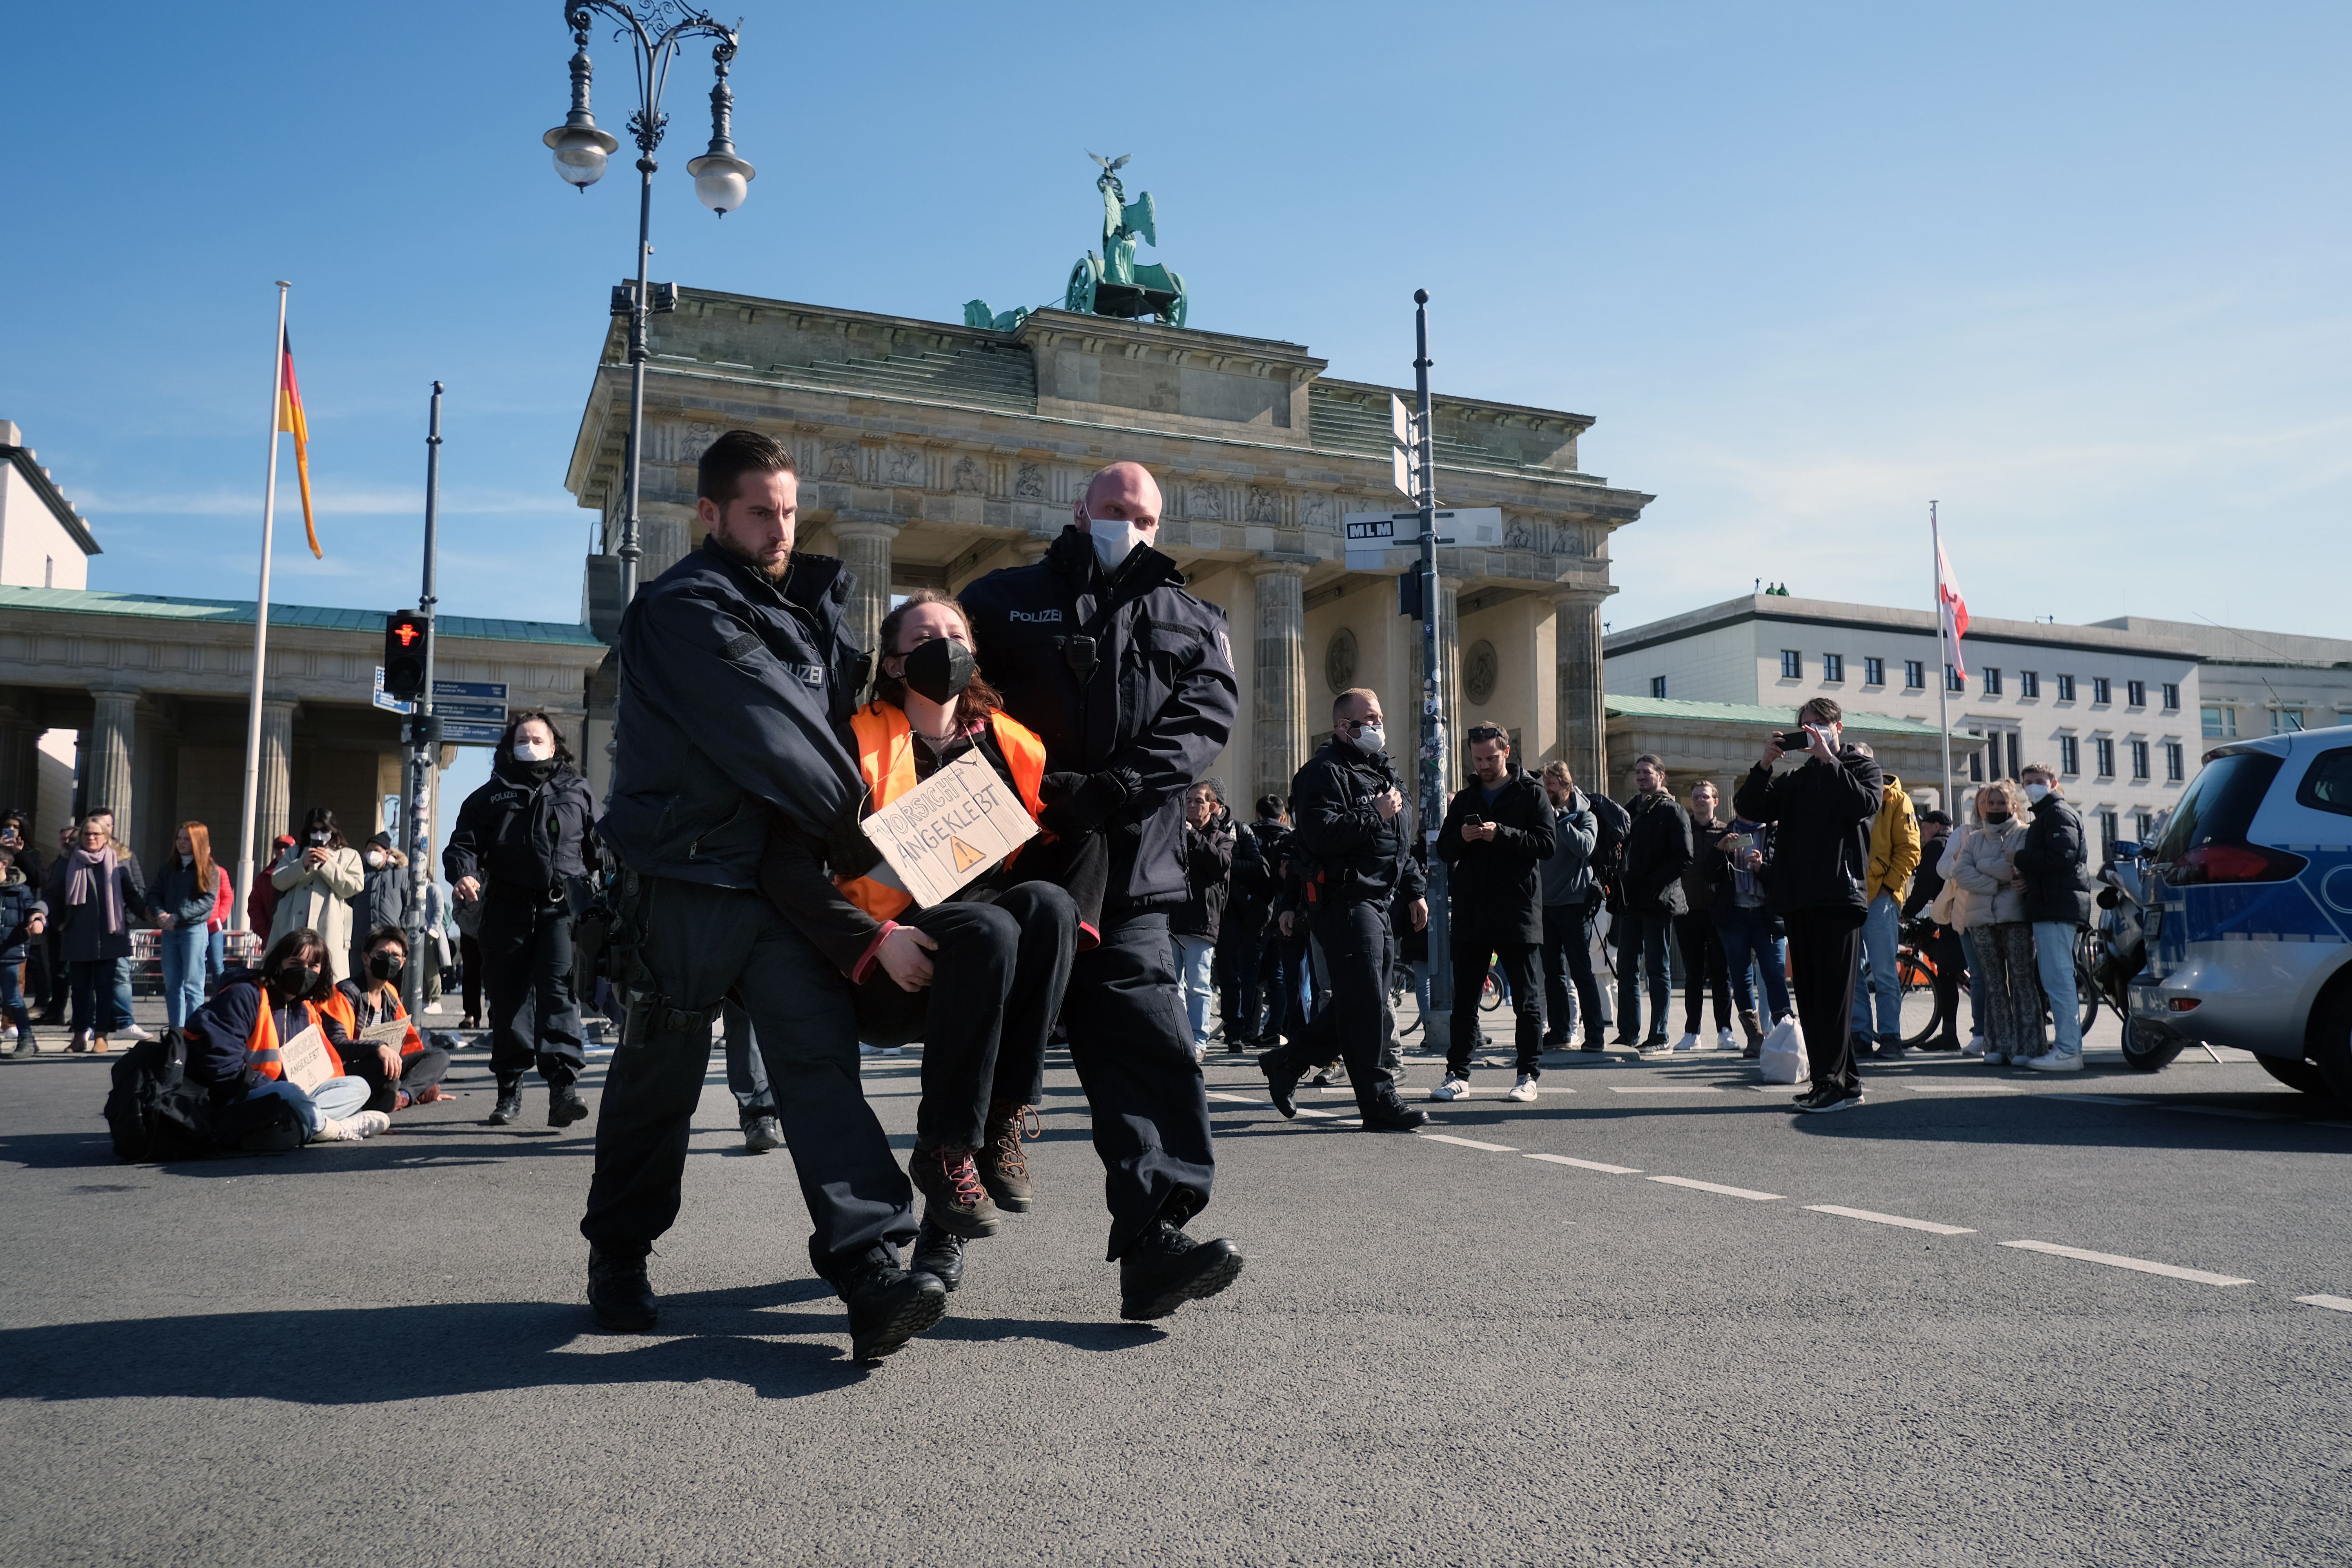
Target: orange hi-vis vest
(261,1047)
(886,760)
(338,1006)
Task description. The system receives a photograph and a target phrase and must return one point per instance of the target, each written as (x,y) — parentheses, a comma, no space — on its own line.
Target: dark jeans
(997,980)
(1134,1055)
(747,1074)
(469,964)
(527,966)
(702,944)
(12,996)
(1642,951)
(102,994)
(1517,961)
(1241,984)
(1824,951)
(1745,933)
(1567,958)
(419,1070)
(1703,970)
(1356,1026)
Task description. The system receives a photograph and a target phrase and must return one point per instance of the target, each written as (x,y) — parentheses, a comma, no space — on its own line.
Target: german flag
(290,418)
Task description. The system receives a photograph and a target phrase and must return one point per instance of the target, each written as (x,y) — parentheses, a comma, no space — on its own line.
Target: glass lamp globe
(581,151)
(721,181)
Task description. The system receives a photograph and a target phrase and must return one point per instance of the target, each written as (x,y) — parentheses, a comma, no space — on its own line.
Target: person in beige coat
(1984,862)
(316,880)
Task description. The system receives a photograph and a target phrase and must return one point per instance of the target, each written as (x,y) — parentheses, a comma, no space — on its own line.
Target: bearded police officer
(736,676)
(1130,681)
(1348,804)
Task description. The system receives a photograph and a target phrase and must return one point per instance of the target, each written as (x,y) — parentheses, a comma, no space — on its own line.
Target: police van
(2248,916)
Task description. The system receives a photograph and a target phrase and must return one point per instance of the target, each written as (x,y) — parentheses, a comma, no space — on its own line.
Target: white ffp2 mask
(1115,540)
(532,751)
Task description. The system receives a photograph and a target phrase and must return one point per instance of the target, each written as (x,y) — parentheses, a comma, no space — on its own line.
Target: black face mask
(1996,817)
(296,979)
(385,964)
(940,669)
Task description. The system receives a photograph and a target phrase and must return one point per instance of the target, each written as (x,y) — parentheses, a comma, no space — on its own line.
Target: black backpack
(1610,824)
(155,1113)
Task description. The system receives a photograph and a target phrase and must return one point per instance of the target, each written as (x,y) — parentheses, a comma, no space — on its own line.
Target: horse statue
(1111,284)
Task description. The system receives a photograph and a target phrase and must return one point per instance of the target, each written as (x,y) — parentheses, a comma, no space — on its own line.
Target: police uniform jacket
(523,837)
(735,698)
(1495,885)
(1346,847)
(1127,732)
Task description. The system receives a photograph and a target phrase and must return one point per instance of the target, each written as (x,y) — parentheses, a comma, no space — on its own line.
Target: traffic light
(408,638)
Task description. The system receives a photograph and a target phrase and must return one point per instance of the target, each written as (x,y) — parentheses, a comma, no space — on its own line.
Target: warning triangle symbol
(966,857)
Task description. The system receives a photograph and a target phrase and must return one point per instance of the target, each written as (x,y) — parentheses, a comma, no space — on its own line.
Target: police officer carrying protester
(1128,681)
(522,846)
(738,679)
(1350,837)
(1495,833)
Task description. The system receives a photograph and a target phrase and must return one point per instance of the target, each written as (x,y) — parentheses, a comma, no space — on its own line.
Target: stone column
(1278,694)
(111,736)
(864,548)
(1576,642)
(273,811)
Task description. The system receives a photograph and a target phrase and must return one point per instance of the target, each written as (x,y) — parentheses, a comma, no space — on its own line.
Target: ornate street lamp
(721,179)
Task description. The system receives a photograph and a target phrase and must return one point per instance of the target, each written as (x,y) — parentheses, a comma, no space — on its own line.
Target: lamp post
(722,180)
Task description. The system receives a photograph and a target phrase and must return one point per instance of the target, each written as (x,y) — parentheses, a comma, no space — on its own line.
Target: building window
(1792,665)
(2070,756)
(2220,723)
(1833,667)
(1657,686)
(2029,684)
(2102,689)
(1873,671)
(1977,767)
(1952,681)
(2139,759)
(2065,688)
(1992,681)
(2107,833)
(2105,750)
(2144,825)
(1915,675)
(2286,720)
(2135,693)
(2171,698)
(2176,763)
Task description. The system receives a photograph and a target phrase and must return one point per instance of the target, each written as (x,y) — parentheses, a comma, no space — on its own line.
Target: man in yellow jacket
(1894,855)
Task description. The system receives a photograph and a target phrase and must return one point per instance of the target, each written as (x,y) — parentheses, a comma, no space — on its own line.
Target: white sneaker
(1974,1047)
(2056,1061)
(1452,1088)
(1687,1043)
(1524,1091)
(332,1132)
(368,1123)
(1724,1042)
(131,1032)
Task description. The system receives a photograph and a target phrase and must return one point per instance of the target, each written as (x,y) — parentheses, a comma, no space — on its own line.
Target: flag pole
(1943,657)
(245,858)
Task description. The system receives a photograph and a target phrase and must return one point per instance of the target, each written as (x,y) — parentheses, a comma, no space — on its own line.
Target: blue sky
(2076,272)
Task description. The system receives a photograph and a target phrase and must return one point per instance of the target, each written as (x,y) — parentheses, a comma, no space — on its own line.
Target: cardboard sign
(392,1032)
(302,1060)
(950,828)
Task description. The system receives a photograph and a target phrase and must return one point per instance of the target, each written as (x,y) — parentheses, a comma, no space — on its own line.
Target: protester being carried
(400,1072)
(236,1041)
(1984,863)
(316,881)
(978,978)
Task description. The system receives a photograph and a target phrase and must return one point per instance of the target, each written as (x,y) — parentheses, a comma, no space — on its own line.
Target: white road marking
(1666,1088)
(1468,1143)
(1715,1187)
(2332,1303)
(1874,1218)
(2141,1264)
(1776,1089)
(1319,1115)
(1587,1165)
(1953,1088)
(1237,1099)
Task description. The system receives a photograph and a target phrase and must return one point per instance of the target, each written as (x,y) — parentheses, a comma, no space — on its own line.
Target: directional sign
(1372,535)
(470,734)
(480,690)
(390,704)
(481,712)
(1402,472)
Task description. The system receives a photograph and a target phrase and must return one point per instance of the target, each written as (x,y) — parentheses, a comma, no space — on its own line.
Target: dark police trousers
(1133,1050)
(700,943)
(527,969)
(1359,947)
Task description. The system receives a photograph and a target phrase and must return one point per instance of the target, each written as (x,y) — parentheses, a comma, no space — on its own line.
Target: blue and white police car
(2249,917)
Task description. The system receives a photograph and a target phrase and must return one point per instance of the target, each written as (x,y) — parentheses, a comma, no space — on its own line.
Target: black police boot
(509,1106)
(619,1293)
(564,1105)
(26,1046)
(1390,1114)
(938,1253)
(889,1306)
(1282,1076)
(1163,1268)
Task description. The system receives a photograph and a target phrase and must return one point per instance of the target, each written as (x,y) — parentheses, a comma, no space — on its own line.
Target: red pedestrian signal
(407,642)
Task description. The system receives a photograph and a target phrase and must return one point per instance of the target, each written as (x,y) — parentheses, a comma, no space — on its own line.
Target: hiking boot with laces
(1004,1170)
(509,1107)
(1164,1268)
(953,1198)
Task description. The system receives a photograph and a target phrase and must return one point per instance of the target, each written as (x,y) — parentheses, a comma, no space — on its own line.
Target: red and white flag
(1952,607)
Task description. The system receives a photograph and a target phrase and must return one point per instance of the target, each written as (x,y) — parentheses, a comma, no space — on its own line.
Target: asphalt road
(1442,1352)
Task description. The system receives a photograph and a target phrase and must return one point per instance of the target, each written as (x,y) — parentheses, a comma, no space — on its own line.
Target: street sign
(1371,535)
(479,712)
(480,690)
(470,734)
(1402,467)
(390,704)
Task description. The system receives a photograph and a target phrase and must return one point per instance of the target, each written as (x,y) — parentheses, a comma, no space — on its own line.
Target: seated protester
(235,1040)
(398,1075)
(978,979)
